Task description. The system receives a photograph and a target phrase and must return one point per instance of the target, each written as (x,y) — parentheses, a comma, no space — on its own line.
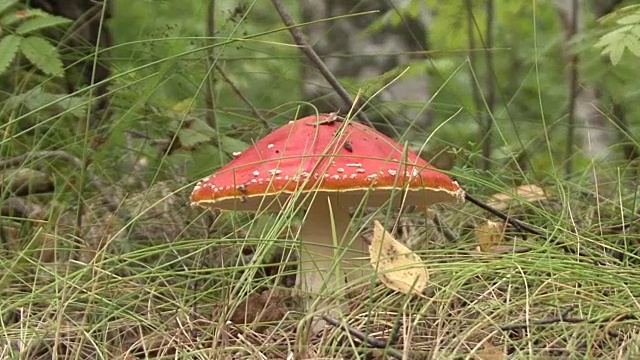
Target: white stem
(320,252)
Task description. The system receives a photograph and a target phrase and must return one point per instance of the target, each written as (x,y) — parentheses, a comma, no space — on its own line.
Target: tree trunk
(592,130)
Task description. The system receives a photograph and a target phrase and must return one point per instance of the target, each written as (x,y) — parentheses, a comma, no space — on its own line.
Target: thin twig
(524,227)
(298,37)
(573,87)
(513,221)
(210,100)
(236,90)
(487,125)
(443,228)
(564,318)
(374,342)
(473,59)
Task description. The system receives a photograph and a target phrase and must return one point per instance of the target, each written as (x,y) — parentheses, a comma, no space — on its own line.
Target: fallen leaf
(261,308)
(396,265)
(490,352)
(528,193)
(490,234)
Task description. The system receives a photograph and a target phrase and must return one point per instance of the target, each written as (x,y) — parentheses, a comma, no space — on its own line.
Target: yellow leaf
(396,265)
(489,235)
(528,193)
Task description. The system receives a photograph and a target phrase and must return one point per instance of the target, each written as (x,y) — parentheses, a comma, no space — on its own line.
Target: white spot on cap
(361,171)
(256,173)
(237,153)
(392,172)
(254,181)
(270,146)
(340,170)
(336,177)
(275,172)
(353,165)
(353,176)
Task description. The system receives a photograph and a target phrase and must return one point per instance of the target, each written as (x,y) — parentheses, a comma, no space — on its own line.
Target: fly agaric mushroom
(338,164)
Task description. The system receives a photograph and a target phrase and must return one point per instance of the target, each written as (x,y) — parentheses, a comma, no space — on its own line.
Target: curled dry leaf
(490,235)
(396,266)
(528,193)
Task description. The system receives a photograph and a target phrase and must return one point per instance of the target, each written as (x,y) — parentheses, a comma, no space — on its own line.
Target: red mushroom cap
(321,153)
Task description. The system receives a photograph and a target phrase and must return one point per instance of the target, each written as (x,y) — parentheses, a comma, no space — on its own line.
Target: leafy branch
(624,36)
(18,35)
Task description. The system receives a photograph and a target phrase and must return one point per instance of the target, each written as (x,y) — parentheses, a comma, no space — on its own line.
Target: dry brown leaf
(490,352)
(397,266)
(528,193)
(490,235)
(267,306)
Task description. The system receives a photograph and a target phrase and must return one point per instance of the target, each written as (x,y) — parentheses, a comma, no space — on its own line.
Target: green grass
(173,297)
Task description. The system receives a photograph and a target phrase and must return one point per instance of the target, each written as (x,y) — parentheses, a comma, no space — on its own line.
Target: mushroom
(328,165)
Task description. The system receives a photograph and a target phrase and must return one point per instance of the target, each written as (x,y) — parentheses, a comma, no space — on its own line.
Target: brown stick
(564,318)
(209,99)
(487,143)
(246,100)
(374,342)
(513,221)
(298,37)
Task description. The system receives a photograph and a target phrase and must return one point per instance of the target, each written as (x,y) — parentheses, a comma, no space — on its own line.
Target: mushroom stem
(320,258)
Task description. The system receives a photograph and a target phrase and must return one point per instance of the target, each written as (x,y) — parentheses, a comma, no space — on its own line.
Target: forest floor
(176,282)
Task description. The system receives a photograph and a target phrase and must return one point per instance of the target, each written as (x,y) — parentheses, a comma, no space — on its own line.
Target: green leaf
(615,52)
(189,137)
(42,54)
(202,127)
(38,99)
(614,36)
(17,16)
(6,4)
(633,43)
(41,23)
(231,145)
(629,19)
(8,49)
